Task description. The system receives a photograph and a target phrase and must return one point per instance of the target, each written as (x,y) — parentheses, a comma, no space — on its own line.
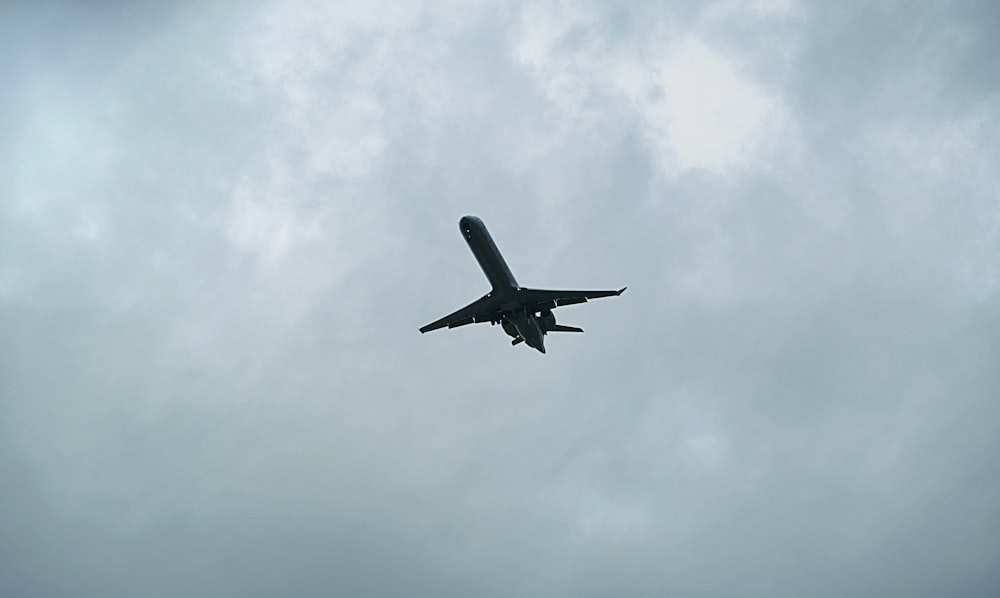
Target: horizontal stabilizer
(561,328)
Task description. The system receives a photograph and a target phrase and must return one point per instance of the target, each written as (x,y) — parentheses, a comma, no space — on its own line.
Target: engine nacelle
(508,327)
(547,319)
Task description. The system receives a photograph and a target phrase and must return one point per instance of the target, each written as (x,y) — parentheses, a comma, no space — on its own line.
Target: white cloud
(702,114)
(700,108)
(268,222)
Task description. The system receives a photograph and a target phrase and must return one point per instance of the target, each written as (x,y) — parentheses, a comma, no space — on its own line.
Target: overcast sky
(221,225)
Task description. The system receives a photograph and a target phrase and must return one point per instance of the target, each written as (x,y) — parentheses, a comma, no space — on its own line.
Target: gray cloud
(221,227)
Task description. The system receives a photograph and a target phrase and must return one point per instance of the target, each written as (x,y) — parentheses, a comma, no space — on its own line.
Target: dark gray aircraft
(525,314)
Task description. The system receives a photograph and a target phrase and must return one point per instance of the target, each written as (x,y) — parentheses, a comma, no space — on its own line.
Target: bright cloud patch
(699,107)
(701,113)
(265,225)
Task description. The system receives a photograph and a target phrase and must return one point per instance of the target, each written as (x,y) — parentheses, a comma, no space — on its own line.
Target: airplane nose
(469,222)
(465,225)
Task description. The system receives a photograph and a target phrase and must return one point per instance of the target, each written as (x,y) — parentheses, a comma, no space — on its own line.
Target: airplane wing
(484,309)
(546,299)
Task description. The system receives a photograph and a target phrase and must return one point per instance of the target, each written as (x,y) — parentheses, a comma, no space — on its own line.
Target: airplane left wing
(547,299)
(484,309)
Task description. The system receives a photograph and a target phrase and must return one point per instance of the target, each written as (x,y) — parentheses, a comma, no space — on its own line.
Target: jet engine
(547,319)
(508,327)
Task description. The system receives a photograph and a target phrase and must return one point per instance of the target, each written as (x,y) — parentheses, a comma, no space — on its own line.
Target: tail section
(561,328)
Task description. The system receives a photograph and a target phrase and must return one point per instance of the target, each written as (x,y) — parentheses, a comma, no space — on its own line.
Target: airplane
(525,314)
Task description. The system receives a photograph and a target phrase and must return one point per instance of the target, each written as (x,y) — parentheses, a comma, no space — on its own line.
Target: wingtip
(621,290)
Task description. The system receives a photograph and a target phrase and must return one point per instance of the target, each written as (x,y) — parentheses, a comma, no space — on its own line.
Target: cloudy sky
(221,225)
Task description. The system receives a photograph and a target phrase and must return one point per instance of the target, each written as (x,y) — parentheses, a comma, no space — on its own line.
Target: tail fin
(561,328)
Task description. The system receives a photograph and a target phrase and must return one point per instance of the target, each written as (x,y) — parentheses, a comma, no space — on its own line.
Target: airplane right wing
(484,309)
(548,299)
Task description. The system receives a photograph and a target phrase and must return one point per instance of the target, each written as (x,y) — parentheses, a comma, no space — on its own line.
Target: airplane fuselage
(503,282)
(487,254)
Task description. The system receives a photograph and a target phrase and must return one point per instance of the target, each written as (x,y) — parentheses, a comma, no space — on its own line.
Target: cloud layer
(221,227)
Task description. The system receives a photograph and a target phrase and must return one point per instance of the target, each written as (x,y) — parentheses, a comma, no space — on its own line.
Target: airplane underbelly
(527,328)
